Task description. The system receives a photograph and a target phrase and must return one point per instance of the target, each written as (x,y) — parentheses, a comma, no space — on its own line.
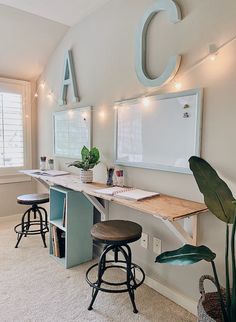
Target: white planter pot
(86,176)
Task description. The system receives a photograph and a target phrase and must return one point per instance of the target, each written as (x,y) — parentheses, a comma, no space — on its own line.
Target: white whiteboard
(72,130)
(156,133)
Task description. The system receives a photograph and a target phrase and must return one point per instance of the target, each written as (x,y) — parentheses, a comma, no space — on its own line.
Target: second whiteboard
(159,132)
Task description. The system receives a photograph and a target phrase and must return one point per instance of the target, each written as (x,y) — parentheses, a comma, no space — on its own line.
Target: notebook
(127,193)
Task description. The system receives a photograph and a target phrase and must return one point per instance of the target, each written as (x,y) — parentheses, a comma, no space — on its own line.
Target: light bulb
(213,57)
(213,51)
(42,84)
(178,85)
(146,101)
(102,114)
(50,94)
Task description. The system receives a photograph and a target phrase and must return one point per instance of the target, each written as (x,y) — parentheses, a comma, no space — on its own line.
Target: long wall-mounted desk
(179,215)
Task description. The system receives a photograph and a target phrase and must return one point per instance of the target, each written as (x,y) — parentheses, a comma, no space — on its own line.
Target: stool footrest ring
(27,225)
(133,286)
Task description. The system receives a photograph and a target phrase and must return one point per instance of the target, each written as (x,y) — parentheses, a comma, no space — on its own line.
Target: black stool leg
(19,236)
(28,222)
(129,274)
(101,270)
(41,227)
(45,217)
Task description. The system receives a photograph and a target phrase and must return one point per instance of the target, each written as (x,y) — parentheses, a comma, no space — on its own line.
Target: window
(15,128)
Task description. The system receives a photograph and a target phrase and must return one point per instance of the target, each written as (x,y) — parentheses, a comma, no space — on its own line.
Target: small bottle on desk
(120,178)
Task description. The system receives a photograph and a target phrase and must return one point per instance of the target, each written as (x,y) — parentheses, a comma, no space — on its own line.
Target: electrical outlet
(156,245)
(144,240)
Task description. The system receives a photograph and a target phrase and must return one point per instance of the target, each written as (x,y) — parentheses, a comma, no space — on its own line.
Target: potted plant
(221,203)
(89,158)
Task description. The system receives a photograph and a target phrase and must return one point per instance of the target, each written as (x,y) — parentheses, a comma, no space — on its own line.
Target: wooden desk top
(163,206)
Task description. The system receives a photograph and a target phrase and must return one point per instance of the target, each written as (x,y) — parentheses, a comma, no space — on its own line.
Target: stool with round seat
(33,217)
(116,235)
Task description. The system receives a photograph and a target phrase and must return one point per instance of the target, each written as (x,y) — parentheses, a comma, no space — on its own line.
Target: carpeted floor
(34,288)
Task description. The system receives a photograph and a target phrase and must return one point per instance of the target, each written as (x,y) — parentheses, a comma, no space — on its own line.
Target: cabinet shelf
(57,223)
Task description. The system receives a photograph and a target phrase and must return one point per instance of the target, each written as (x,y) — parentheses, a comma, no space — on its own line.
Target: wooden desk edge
(133,205)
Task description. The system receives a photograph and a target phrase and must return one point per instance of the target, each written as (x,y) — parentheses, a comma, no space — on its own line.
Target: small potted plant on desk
(89,158)
(221,305)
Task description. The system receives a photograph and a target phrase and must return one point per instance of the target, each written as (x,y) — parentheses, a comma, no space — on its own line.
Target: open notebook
(127,193)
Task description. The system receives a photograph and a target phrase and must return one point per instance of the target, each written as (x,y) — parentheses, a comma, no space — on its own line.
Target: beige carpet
(34,288)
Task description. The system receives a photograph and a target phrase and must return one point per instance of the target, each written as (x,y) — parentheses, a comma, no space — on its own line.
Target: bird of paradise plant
(220,201)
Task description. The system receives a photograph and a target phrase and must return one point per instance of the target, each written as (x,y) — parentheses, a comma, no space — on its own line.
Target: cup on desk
(51,164)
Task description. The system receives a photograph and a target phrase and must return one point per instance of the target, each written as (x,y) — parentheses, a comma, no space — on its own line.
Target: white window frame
(12,174)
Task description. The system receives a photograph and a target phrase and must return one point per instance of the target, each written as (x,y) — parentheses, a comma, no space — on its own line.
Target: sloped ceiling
(27,41)
(67,12)
(31,29)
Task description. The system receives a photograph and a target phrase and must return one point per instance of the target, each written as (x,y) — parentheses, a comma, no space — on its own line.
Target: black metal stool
(116,235)
(25,227)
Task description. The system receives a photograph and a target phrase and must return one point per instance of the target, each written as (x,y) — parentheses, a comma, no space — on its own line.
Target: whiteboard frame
(198,130)
(87,109)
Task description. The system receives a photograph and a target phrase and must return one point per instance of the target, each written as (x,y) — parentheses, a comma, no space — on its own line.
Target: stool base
(129,285)
(24,228)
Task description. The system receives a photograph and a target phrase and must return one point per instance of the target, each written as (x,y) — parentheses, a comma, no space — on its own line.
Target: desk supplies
(51,164)
(127,193)
(43,163)
(120,178)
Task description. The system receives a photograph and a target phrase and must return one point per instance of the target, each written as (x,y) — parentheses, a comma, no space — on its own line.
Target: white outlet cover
(144,240)
(156,245)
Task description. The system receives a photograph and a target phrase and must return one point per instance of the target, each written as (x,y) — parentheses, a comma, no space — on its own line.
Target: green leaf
(84,153)
(186,255)
(77,164)
(217,195)
(94,155)
(233,299)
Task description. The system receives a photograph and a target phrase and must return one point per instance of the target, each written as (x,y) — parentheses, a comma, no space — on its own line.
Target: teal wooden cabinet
(78,223)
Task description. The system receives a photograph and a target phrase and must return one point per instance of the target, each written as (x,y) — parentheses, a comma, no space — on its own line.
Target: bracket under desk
(179,215)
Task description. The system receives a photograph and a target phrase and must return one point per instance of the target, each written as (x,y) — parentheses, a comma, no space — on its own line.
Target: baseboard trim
(171,294)
(6,218)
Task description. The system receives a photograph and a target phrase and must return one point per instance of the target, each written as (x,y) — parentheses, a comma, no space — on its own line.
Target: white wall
(104,48)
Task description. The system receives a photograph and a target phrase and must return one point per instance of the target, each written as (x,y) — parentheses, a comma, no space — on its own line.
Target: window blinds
(11,130)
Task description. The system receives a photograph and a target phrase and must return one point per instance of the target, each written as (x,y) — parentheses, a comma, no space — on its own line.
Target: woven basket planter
(86,176)
(209,309)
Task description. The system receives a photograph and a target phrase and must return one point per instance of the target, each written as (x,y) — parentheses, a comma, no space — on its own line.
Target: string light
(211,55)
(213,51)
(50,94)
(146,101)
(42,85)
(177,85)
(102,114)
